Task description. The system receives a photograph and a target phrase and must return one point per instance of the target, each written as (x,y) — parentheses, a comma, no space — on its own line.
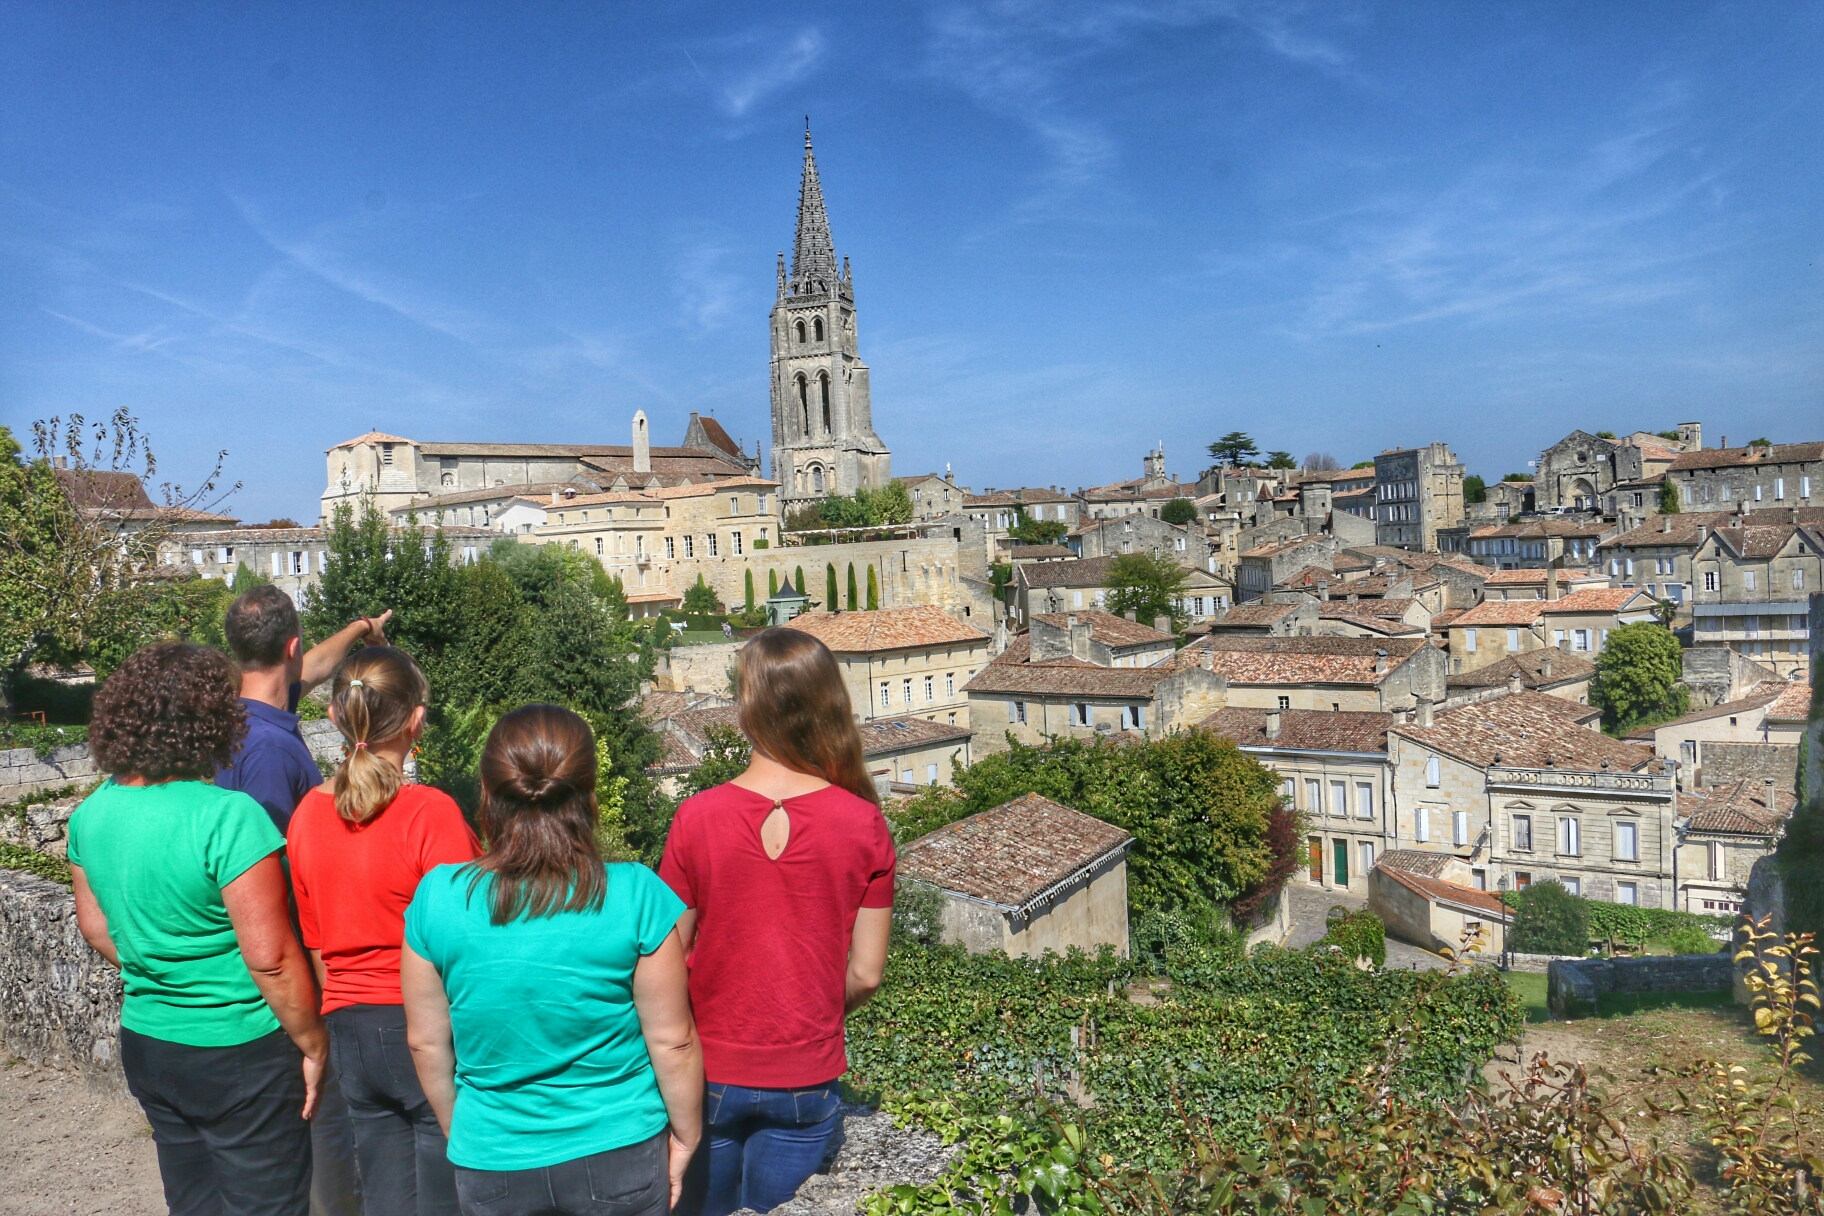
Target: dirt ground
(68,1150)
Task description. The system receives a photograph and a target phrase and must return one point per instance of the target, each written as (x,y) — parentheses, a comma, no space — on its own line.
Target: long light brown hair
(794,708)
(538,812)
(373,695)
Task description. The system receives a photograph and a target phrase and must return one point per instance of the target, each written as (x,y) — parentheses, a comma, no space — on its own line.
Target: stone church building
(823,422)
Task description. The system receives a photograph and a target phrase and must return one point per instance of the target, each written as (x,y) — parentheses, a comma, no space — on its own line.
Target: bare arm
(661,996)
(90,919)
(687,930)
(867,956)
(427,1033)
(320,661)
(259,907)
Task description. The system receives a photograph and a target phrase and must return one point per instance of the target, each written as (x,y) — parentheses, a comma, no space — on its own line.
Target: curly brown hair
(171,711)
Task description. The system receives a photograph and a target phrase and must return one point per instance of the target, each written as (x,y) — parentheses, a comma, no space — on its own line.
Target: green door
(1342,862)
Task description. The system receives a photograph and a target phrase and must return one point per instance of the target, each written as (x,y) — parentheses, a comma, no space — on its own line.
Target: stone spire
(814,253)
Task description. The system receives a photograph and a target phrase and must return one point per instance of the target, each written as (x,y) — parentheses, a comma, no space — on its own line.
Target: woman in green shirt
(179,885)
(546,998)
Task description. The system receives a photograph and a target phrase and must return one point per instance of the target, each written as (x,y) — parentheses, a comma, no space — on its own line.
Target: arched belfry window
(800,328)
(823,385)
(804,403)
(818,323)
(816,479)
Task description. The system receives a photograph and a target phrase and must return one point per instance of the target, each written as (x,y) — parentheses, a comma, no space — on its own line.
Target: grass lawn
(1530,988)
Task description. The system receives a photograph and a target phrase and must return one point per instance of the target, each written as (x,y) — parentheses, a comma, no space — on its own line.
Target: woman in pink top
(787,872)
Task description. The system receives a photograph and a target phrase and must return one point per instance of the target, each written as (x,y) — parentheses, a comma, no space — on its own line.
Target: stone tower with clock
(823,423)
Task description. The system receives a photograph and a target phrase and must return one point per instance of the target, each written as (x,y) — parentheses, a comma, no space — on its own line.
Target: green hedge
(1358,934)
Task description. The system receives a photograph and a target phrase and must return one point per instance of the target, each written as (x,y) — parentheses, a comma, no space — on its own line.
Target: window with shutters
(1422,824)
(1433,772)
(1459,828)
(1314,796)
(1364,800)
(1569,837)
(1017,712)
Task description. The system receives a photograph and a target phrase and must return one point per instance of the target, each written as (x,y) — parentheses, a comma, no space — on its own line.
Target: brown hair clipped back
(538,813)
(170,711)
(795,709)
(373,696)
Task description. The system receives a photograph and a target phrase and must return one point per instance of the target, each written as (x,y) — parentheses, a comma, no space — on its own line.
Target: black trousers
(630,1181)
(402,1152)
(228,1123)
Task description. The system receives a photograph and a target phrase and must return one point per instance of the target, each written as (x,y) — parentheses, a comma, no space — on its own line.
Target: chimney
(1132,615)
(1424,712)
(1079,639)
(1273,724)
(642,448)
(1665,523)
(1767,793)
(554,498)
(1163,624)
(1551,579)
(1545,666)
(1323,591)
(1514,683)
(1207,659)
(1380,662)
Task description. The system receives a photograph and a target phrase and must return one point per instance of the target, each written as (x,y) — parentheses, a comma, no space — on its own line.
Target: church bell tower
(823,423)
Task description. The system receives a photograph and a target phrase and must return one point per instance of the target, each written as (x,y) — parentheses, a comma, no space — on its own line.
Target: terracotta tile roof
(675,756)
(1107,628)
(539,492)
(1447,618)
(1757,697)
(1478,903)
(1027,552)
(1283,546)
(370,437)
(695,724)
(1599,599)
(1310,730)
(1465,566)
(1300,660)
(1536,578)
(1526,730)
(713,431)
(887,629)
(1501,612)
(1417,861)
(1012,854)
(1068,678)
(1087,572)
(1254,614)
(1793,704)
(668,493)
(1728,458)
(885,735)
(1761,540)
(1546,526)
(254,536)
(1738,810)
(1311,576)
(1340,609)
(999,498)
(1566,669)
(668,464)
(104,489)
(1685,529)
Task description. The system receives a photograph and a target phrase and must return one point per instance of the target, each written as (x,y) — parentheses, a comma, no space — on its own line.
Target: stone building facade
(823,420)
(1753,588)
(1760,476)
(902,661)
(1418,491)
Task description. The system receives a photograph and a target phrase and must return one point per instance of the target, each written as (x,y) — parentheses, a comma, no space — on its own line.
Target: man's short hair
(260,624)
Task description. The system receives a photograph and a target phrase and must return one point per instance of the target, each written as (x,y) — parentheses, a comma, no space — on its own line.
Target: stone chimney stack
(1162,624)
(1380,662)
(642,444)
(1514,683)
(1079,639)
(1424,714)
(1132,615)
(1207,659)
(1272,724)
(1767,794)
(1551,579)
(1545,666)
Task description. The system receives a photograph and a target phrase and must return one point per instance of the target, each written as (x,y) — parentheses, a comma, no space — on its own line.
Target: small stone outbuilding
(1028,876)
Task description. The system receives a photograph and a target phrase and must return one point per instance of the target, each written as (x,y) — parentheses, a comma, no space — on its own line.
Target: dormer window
(386,454)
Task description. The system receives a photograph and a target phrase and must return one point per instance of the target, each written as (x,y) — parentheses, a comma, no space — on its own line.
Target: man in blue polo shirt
(277,770)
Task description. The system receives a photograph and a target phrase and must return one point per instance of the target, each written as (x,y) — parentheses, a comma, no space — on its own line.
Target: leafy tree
(1548,920)
(890,504)
(1637,677)
(1234,449)
(1475,489)
(1605,434)
(725,758)
(747,578)
(246,578)
(1358,934)
(1362,464)
(1281,460)
(1036,531)
(829,586)
(873,589)
(1672,435)
(1148,585)
(700,598)
(1762,442)
(1518,477)
(1668,497)
(1178,511)
(1199,809)
(854,599)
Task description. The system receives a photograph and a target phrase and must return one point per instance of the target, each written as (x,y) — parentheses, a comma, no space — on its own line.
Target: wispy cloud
(704,285)
(779,67)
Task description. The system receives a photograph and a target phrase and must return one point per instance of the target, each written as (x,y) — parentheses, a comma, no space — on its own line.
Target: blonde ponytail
(374,693)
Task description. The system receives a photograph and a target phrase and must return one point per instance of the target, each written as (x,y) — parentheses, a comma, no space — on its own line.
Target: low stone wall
(1572,987)
(43,827)
(1538,964)
(59,1000)
(23,771)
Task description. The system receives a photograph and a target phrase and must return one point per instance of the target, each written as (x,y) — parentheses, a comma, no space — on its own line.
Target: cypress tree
(873,589)
(853,601)
(803,587)
(830,602)
(772,583)
(748,577)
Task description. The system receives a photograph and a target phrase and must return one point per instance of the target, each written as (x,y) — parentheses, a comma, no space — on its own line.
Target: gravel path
(68,1149)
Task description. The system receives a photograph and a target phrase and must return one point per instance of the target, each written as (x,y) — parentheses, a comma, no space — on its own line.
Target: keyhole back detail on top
(776,831)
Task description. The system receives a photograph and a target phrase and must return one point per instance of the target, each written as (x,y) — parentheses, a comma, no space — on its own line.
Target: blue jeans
(763,1143)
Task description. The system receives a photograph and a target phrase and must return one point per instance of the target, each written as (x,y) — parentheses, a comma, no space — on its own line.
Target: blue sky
(1076,230)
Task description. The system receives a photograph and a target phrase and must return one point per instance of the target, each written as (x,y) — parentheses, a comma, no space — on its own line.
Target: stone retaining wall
(1572,987)
(43,827)
(59,1000)
(23,771)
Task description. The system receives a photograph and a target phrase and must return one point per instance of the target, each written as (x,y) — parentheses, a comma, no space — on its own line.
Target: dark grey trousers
(630,1181)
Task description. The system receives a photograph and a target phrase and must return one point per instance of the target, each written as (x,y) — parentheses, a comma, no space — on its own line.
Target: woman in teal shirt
(546,997)
(178,884)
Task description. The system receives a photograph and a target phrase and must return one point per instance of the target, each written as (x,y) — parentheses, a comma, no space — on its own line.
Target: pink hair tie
(361,744)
